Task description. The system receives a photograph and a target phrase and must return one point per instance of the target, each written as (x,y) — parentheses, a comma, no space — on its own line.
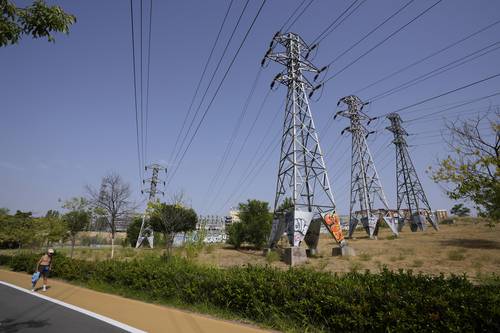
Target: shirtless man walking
(44,266)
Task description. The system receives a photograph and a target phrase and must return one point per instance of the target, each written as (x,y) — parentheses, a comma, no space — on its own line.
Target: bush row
(298,298)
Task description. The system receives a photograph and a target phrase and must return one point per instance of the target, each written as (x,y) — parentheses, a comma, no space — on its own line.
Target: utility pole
(408,185)
(146,231)
(365,182)
(303,193)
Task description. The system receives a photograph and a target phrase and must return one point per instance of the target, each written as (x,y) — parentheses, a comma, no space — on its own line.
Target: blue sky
(67,108)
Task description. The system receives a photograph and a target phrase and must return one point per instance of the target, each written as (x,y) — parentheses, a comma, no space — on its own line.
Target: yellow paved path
(144,316)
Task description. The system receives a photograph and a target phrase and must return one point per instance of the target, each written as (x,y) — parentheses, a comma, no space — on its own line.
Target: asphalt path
(24,312)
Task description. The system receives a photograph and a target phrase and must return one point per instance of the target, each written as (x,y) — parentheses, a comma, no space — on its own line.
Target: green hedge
(297,298)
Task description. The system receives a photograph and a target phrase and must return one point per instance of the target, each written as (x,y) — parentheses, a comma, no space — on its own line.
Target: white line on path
(77,309)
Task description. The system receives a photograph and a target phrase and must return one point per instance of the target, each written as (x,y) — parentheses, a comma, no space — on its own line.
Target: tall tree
(37,20)
(54,228)
(4,212)
(113,201)
(76,221)
(460,210)
(133,230)
(170,219)
(472,170)
(255,223)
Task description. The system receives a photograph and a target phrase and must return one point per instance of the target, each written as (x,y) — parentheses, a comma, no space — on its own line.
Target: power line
(301,13)
(445,93)
(454,107)
(255,169)
(235,160)
(440,70)
(382,41)
(251,166)
(326,31)
(429,56)
(218,89)
(372,31)
(234,134)
(198,109)
(246,104)
(141,80)
(292,15)
(147,79)
(135,92)
(201,78)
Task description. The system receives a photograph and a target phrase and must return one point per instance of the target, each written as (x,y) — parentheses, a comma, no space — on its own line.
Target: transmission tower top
(355,113)
(397,129)
(154,180)
(293,55)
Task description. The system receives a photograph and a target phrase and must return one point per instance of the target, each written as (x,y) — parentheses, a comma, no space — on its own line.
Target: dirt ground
(461,248)
(468,248)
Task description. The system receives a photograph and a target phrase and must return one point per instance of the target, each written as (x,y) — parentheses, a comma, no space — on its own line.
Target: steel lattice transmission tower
(365,182)
(409,188)
(146,232)
(303,188)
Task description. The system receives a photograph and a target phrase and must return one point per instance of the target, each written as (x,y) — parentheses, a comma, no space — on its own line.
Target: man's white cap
(50,251)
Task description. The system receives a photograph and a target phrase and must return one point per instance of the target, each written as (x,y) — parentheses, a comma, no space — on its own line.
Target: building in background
(441,214)
(233,216)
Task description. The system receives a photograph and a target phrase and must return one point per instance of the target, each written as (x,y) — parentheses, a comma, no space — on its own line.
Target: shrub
(133,230)
(297,299)
(272,256)
(235,234)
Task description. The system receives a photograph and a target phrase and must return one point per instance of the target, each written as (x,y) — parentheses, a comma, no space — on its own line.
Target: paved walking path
(143,316)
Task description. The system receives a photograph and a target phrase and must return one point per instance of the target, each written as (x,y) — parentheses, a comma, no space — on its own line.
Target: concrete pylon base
(311,253)
(295,255)
(345,251)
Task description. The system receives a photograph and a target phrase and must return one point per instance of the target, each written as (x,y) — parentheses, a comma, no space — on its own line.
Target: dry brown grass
(463,248)
(455,249)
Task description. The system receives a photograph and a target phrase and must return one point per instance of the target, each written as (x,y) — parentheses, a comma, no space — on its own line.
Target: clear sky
(67,108)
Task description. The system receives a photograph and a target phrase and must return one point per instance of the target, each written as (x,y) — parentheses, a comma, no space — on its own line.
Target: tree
(235,234)
(4,212)
(472,171)
(113,202)
(54,227)
(254,226)
(170,219)
(76,221)
(8,238)
(37,20)
(23,230)
(460,210)
(133,230)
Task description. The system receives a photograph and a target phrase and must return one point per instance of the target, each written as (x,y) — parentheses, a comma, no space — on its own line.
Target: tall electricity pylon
(365,182)
(146,231)
(408,185)
(303,189)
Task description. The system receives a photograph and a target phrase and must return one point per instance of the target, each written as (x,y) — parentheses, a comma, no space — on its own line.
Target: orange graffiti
(332,222)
